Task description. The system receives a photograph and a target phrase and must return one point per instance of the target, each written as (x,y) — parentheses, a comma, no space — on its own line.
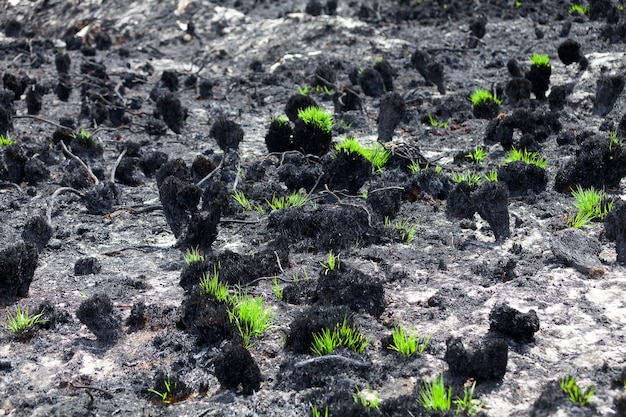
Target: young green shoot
(481,96)
(408,344)
(317,117)
(167,395)
(21,321)
(304,91)
(294,199)
(324,342)
(434,396)
(591,204)
(6,140)
(212,286)
(243,201)
(317,413)
(468,405)
(576,394)
(491,176)
(414,167)
(478,155)
(578,9)
(471,178)
(437,123)
(327,340)
(332,262)
(83,135)
(368,398)
(193,255)
(540,60)
(281,119)
(376,153)
(405,229)
(615,140)
(277,289)
(529,158)
(250,317)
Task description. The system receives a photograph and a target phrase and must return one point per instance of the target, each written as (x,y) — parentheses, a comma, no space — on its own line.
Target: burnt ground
(197,83)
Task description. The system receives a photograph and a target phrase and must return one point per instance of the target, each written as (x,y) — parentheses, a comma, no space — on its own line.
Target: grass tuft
(243,201)
(482,96)
(434,396)
(405,229)
(332,262)
(529,158)
(376,153)
(406,343)
(250,317)
(21,321)
(576,395)
(491,176)
(540,60)
(317,413)
(193,255)
(578,9)
(6,140)
(471,178)
(468,404)
(212,286)
(327,340)
(317,117)
(478,155)
(368,398)
(591,204)
(294,199)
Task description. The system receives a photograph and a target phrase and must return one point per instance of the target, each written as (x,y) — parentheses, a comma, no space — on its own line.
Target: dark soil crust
(134,122)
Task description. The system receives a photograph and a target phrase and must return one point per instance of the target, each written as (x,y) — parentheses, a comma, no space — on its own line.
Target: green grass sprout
(281,119)
(529,158)
(250,317)
(376,153)
(471,178)
(491,176)
(324,342)
(437,123)
(327,340)
(591,204)
(578,8)
(6,140)
(21,321)
(434,396)
(317,413)
(405,229)
(468,405)
(277,289)
(332,262)
(304,91)
(368,398)
(414,167)
(478,155)
(576,395)
(407,344)
(317,117)
(212,286)
(243,201)
(294,199)
(167,395)
(193,255)
(540,60)
(83,135)
(482,96)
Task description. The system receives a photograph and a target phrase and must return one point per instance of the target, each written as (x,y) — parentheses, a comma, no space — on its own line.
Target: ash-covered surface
(150,82)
